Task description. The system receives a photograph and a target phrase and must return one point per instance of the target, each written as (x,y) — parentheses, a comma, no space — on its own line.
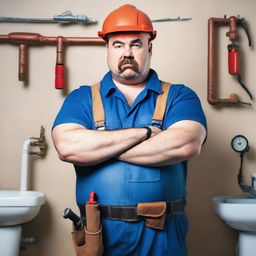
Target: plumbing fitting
(65,17)
(233,22)
(29,240)
(25,39)
(172,19)
(253,176)
(26,241)
(40,142)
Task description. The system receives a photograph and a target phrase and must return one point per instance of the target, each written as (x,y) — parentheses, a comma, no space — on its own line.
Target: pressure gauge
(240,144)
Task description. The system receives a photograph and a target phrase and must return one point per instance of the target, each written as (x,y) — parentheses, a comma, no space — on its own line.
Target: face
(129,56)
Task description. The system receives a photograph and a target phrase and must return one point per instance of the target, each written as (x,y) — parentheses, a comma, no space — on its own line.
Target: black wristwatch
(149,132)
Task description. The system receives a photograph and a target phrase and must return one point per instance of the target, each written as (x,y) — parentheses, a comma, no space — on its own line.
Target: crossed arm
(181,141)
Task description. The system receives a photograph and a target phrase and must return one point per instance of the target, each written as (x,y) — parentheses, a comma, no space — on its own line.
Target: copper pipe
(33,38)
(25,39)
(60,50)
(60,67)
(212,23)
(232,28)
(23,56)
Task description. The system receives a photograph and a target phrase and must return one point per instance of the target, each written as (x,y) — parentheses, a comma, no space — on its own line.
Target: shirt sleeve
(183,104)
(76,108)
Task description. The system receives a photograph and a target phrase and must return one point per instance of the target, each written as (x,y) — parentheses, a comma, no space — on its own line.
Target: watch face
(239,143)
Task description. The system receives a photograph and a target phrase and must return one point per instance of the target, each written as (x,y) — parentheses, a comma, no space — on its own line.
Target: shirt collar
(153,83)
(107,84)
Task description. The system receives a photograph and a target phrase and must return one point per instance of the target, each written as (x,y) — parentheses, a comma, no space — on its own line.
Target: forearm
(168,147)
(82,146)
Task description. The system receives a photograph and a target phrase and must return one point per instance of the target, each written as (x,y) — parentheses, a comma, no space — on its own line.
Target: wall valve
(39,142)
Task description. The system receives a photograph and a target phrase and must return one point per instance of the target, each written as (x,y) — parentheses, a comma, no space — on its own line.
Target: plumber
(136,164)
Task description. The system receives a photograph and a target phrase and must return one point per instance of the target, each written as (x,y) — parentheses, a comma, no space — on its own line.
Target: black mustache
(130,61)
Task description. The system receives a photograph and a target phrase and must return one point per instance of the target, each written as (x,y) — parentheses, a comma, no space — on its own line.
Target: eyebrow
(136,41)
(132,42)
(117,42)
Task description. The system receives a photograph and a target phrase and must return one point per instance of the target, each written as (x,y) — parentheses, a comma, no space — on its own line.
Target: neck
(129,85)
(130,91)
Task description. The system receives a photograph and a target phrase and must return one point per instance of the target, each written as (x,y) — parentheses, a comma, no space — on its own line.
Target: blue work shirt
(120,183)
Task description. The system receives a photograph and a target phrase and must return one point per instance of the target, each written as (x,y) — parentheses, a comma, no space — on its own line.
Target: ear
(150,47)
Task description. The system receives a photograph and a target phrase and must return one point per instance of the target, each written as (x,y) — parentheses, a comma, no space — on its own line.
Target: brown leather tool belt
(149,211)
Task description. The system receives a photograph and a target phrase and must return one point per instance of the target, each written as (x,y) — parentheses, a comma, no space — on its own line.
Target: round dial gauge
(240,144)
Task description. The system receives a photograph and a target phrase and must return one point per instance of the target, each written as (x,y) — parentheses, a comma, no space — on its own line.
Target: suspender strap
(161,104)
(98,110)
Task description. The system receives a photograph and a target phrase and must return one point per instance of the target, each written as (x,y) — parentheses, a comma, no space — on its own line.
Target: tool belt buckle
(154,214)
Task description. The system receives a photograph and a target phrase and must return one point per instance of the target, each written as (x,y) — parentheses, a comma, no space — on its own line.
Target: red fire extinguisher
(233,59)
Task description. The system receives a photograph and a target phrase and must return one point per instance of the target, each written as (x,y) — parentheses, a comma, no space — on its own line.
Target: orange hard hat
(127,18)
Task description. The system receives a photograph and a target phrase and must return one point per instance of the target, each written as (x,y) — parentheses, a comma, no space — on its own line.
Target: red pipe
(24,39)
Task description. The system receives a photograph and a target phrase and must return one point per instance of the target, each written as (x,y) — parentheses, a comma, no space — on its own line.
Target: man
(133,160)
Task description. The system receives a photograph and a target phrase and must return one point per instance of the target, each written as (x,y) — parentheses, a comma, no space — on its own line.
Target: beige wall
(180,56)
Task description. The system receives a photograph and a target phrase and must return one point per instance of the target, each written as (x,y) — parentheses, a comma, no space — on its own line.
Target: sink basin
(18,207)
(237,212)
(240,214)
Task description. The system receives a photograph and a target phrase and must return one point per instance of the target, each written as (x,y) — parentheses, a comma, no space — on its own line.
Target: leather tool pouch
(88,241)
(154,214)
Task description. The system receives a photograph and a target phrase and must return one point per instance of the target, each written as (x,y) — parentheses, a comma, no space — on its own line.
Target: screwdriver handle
(69,214)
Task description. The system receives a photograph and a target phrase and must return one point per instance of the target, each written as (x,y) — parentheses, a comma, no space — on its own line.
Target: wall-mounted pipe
(32,142)
(65,17)
(24,173)
(25,39)
(23,61)
(232,34)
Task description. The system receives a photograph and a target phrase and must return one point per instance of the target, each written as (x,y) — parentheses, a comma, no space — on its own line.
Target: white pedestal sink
(240,214)
(16,207)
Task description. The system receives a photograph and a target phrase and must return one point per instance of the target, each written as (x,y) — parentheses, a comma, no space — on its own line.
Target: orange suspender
(97,107)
